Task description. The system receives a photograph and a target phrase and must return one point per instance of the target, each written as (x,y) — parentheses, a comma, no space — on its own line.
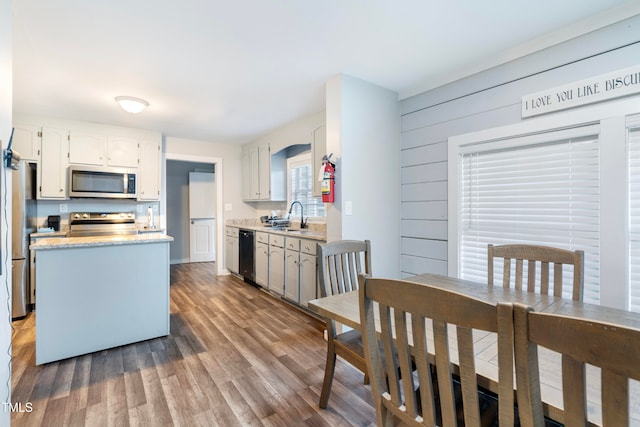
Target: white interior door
(201,243)
(202,208)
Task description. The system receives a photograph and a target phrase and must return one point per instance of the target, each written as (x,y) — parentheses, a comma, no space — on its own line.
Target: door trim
(217,161)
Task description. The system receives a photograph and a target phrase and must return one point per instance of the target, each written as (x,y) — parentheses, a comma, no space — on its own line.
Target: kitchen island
(101,292)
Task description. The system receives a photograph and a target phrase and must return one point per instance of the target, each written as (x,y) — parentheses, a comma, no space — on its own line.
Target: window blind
(538,189)
(301,189)
(633,145)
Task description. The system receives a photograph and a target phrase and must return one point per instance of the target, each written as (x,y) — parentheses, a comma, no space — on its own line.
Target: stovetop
(101,217)
(101,223)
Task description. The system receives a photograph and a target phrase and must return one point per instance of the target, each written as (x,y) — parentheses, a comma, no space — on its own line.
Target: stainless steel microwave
(102,182)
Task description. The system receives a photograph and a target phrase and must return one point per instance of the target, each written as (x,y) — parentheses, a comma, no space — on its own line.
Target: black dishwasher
(246,256)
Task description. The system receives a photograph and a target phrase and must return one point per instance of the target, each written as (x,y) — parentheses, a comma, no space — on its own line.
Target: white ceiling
(229,71)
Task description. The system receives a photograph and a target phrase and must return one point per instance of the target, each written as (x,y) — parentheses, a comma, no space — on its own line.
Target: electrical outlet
(63,208)
(228,207)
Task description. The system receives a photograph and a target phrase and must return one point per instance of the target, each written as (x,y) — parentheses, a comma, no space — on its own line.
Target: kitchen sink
(297,231)
(291,230)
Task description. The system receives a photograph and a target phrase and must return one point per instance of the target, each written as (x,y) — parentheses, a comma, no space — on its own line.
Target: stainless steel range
(101,223)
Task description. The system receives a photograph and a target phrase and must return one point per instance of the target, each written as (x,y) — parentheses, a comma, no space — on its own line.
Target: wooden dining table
(344,308)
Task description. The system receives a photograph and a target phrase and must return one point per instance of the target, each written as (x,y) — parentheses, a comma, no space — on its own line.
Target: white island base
(95,296)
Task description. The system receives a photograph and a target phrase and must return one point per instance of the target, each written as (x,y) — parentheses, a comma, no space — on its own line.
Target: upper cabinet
(26,141)
(262,175)
(264,161)
(89,148)
(150,154)
(123,151)
(86,148)
(52,171)
(56,143)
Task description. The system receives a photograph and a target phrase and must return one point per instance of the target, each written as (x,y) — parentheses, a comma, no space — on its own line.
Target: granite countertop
(50,234)
(298,233)
(73,242)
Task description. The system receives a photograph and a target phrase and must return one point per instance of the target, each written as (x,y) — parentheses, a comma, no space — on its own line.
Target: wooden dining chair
(406,312)
(339,265)
(613,348)
(544,255)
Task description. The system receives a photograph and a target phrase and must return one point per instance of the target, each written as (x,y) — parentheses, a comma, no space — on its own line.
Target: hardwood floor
(236,356)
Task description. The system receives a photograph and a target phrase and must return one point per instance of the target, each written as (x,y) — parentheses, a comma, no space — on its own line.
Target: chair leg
(366,378)
(328,374)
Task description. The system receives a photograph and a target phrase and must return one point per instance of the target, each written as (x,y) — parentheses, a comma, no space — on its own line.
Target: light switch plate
(63,208)
(348,207)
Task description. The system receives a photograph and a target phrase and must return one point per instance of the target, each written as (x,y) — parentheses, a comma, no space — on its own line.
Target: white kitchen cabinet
(86,148)
(276,264)
(300,271)
(291,269)
(308,272)
(232,255)
(52,172)
(255,175)
(122,151)
(318,150)
(149,170)
(26,141)
(253,172)
(263,174)
(90,148)
(246,176)
(262,259)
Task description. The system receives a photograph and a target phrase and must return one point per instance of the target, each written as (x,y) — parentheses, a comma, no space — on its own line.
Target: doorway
(177,206)
(202,216)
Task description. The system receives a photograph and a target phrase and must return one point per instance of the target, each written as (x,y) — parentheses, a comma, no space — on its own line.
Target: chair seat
(350,344)
(351,340)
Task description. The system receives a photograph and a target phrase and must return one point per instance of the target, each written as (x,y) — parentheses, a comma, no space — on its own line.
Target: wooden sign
(595,89)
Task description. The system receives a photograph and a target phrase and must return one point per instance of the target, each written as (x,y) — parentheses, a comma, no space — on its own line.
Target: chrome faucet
(303,224)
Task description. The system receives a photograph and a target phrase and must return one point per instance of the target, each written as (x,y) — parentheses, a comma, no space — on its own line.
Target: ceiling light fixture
(131,104)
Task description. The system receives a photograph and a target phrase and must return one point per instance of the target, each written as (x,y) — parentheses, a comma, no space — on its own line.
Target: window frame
(296,161)
(633,170)
(611,116)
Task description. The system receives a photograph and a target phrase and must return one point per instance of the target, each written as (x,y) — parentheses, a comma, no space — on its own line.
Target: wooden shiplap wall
(485,100)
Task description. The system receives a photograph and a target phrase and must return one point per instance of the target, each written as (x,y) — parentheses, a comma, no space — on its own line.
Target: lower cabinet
(300,271)
(231,250)
(284,265)
(262,259)
(308,272)
(276,264)
(291,270)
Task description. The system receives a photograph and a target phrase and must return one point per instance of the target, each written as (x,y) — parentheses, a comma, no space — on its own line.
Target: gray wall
(363,133)
(178,206)
(485,100)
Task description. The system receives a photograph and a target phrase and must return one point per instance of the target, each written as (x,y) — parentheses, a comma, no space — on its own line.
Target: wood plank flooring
(236,356)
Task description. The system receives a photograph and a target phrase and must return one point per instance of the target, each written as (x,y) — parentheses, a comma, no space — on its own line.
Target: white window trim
(294,161)
(614,227)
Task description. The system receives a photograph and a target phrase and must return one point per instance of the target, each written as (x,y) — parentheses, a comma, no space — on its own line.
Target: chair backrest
(340,263)
(430,308)
(544,255)
(613,348)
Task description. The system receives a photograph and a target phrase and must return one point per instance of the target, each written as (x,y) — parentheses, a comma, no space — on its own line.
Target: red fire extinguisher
(328,179)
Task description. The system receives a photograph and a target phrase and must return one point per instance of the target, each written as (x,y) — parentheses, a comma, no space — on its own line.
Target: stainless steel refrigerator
(23,224)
